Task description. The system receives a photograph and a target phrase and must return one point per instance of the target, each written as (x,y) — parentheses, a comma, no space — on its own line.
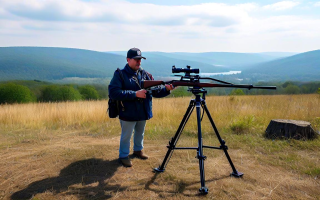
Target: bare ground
(71,165)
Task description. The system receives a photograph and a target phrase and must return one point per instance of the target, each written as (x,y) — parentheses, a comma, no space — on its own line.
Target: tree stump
(284,128)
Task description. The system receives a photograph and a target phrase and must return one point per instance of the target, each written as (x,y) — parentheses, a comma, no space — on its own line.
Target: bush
(180,92)
(237,92)
(318,90)
(14,93)
(60,93)
(292,89)
(88,92)
(242,125)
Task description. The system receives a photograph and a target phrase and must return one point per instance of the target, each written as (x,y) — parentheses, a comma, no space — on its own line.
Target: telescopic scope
(187,70)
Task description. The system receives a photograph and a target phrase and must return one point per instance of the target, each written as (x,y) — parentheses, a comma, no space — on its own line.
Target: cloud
(282,5)
(117,24)
(118,11)
(317,4)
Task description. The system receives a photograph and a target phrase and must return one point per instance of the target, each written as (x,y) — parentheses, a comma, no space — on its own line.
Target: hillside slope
(48,63)
(303,66)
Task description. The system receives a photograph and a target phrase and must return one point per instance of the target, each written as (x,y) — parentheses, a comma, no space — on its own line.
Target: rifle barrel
(147,84)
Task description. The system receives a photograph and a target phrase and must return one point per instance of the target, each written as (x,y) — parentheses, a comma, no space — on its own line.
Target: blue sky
(169,26)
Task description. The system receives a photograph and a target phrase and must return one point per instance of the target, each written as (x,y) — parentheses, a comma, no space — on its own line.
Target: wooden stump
(284,128)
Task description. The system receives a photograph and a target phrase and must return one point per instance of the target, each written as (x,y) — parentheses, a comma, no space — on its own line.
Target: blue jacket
(133,108)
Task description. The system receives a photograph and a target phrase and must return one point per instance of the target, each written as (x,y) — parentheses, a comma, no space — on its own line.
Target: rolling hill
(48,63)
(303,67)
(227,60)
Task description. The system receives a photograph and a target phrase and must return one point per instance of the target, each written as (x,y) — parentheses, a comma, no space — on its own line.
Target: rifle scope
(187,70)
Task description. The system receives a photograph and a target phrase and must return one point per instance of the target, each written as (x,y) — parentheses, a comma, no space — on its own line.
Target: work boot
(126,162)
(140,154)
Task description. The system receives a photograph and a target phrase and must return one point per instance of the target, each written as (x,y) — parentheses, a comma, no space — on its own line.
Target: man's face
(134,63)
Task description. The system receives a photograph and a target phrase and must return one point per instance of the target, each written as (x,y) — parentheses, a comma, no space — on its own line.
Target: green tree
(14,93)
(292,89)
(237,92)
(318,90)
(180,92)
(88,92)
(60,93)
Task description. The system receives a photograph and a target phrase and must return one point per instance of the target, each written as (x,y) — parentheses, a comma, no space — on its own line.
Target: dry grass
(69,151)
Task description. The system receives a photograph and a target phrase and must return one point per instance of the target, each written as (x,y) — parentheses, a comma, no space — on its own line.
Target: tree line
(37,91)
(12,92)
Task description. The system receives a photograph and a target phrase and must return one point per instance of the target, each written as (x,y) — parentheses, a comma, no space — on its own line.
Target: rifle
(194,81)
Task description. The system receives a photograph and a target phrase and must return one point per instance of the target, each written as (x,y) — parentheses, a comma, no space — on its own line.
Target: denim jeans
(127,128)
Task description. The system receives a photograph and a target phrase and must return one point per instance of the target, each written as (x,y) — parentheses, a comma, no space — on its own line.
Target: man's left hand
(169,87)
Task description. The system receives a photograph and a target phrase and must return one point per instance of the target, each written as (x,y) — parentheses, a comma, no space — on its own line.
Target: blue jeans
(127,128)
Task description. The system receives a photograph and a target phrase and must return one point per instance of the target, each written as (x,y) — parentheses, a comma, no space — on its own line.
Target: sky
(162,25)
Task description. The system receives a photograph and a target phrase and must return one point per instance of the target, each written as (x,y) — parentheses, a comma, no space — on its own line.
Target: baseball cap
(134,53)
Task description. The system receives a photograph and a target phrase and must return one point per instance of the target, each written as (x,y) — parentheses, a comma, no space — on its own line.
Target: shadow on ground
(84,172)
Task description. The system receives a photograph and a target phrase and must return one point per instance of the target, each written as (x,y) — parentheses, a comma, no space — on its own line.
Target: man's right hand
(141,94)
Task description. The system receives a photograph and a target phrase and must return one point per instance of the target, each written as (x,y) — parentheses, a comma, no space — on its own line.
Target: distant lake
(221,73)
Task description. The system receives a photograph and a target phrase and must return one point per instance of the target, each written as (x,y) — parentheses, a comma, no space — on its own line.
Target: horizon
(163,26)
(158,51)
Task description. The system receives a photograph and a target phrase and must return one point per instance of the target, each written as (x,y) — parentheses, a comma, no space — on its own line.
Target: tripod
(197,102)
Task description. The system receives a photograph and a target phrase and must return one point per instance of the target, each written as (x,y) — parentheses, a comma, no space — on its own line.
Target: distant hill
(226,60)
(48,63)
(303,67)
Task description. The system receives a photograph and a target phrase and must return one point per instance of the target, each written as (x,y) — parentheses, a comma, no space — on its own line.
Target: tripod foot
(158,170)
(203,190)
(237,175)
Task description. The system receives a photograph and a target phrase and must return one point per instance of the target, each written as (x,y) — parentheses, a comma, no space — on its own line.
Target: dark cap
(134,53)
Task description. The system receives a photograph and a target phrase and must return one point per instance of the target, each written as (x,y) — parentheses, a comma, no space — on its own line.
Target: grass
(69,151)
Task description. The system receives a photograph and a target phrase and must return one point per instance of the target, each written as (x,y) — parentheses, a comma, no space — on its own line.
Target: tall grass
(38,140)
(228,112)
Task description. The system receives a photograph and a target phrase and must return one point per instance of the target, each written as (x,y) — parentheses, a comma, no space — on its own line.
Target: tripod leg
(222,142)
(175,139)
(200,156)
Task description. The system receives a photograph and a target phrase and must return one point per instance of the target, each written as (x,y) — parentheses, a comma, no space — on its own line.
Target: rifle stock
(148,84)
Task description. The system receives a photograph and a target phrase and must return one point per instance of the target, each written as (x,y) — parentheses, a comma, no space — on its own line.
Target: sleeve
(161,91)
(115,89)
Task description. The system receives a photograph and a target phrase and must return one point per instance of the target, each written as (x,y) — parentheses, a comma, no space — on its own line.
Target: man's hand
(141,94)
(169,87)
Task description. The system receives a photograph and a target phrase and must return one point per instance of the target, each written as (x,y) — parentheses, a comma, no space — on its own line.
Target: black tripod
(197,102)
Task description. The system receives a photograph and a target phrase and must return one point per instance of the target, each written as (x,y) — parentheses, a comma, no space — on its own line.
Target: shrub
(180,92)
(242,125)
(237,92)
(60,93)
(292,89)
(14,93)
(88,92)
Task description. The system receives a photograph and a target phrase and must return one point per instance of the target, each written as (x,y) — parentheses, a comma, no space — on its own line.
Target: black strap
(121,75)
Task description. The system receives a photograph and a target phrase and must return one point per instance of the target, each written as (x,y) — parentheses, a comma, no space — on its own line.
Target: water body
(220,73)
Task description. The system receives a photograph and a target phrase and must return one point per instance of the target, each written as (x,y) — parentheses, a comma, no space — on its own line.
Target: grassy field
(69,151)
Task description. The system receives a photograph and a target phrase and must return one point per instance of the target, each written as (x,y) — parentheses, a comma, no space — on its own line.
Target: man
(135,105)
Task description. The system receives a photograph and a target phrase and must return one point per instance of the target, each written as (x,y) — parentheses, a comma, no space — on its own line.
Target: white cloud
(212,14)
(317,4)
(282,5)
(116,24)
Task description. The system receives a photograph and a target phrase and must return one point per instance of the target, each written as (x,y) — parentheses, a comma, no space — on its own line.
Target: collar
(128,69)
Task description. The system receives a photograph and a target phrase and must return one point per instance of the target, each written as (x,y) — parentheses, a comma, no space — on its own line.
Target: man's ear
(128,59)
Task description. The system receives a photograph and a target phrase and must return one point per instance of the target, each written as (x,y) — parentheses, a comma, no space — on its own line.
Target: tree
(14,93)
(292,89)
(237,92)
(88,92)
(60,93)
